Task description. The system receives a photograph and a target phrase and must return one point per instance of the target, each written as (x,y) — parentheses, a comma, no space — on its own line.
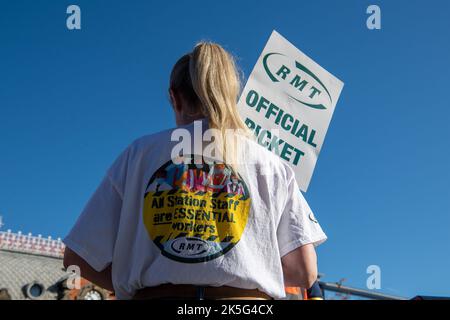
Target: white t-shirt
(158,222)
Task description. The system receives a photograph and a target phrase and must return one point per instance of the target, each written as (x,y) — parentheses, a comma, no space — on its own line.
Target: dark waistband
(187,291)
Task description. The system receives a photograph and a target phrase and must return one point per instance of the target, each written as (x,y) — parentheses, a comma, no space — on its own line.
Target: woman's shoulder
(163,137)
(251,151)
(157,138)
(259,155)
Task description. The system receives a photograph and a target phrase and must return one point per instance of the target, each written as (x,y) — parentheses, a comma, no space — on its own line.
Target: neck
(185,119)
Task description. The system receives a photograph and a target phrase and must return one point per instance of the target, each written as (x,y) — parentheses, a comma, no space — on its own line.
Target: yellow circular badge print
(195,212)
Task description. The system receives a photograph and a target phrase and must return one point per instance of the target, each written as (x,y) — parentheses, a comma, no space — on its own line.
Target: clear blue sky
(70,101)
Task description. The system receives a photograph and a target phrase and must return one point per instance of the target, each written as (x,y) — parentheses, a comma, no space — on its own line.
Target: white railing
(31,244)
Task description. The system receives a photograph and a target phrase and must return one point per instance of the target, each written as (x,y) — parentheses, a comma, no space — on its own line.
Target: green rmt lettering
(283,72)
(314,91)
(297,81)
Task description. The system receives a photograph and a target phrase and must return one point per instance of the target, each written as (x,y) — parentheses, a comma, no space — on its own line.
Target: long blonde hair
(209,81)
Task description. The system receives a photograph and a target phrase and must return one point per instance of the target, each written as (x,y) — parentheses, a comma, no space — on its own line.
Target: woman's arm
(300,267)
(102,278)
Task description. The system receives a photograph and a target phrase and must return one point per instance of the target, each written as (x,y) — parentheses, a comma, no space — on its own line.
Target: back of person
(161,217)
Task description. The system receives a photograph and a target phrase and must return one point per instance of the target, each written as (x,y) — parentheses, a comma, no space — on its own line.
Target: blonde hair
(208,80)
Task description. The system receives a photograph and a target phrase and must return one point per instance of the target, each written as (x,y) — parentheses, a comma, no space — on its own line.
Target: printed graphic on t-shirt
(195,212)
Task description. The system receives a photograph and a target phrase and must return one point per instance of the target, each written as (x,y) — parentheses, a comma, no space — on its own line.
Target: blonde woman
(145,243)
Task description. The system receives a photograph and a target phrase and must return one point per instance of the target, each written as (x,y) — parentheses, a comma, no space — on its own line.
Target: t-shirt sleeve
(297,226)
(94,234)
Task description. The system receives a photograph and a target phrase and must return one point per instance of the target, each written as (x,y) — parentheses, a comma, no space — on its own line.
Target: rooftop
(27,243)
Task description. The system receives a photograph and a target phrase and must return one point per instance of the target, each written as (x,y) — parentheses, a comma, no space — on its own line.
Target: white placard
(288,103)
